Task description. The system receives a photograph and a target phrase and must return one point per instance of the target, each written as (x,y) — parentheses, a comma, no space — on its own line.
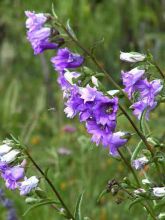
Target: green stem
(159,70)
(51,185)
(130,168)
(109,78)
(148,207)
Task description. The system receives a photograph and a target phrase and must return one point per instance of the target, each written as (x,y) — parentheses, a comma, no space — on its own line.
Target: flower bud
(95,81)
(132,57)
(31,200)
(4,149)
(10,156)
(159,191)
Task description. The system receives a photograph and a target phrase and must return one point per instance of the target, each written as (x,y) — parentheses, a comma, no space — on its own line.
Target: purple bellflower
(130,80)
(38,35)
(12,175)
(65,59)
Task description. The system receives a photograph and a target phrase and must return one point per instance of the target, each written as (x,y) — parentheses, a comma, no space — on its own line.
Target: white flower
(132,57)
(27,185)
(95,81)
(145,181)
(69,76)
(159,191)
(4,148)
(10,156)
(113,92)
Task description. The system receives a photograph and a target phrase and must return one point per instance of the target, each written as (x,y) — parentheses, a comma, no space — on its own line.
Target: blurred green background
(31,104)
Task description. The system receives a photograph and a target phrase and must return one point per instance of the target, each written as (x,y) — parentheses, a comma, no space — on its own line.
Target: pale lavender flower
(139,163)
(88,94)
(28,185)
(35,21)
(132,57)
(66,59)
(130,80)
(12,175)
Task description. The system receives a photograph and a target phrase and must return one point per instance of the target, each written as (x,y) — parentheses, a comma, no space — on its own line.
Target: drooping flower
(132,57)
(149,90)
(141,106)
(117,140)
(10,156)
(12,175)
(4,148)
(35,21)
(38,35)
(130,80)
(159,191)
(139,163)
(27,185)
(65,59)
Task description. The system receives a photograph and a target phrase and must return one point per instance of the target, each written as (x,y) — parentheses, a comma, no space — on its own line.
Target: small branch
(51,185)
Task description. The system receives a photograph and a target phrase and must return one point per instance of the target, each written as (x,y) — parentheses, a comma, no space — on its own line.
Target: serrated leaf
(77,213)
(70,30)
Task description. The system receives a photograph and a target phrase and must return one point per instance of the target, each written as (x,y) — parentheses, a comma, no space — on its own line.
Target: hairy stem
(51,185)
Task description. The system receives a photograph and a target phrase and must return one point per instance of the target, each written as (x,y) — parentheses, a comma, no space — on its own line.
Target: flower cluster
(138,87)
(39,34)
(13,173)
(92,106)
(98,111)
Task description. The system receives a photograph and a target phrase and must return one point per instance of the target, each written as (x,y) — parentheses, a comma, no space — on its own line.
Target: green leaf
(101,195)
(70,30)
(77,213)
(53,12)
(38,205)
(142,122)
(137,200)
(137,150)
